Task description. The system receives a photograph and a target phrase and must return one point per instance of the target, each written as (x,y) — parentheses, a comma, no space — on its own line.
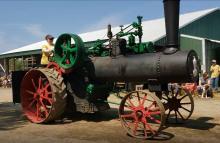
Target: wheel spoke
(39,83)
(168,115)
(180,115)
(30,92)
(185,109)
(63,58)
(183,97)
(139,100)
(155,109)
(153,103)
(149,127)
(71,59)
(155,113)
(128,124)
(167,93)
(143,101)
(47,93)
(129,107)
(155,120)
(135,127)
(147,99)
(33,83)
(145,131)
(45,108)
(31,104)
(129,100)
(63,46)
(185,103)
(166,106)
(74,49)
(48,99)
(46,86)
(68,43)
(37,109)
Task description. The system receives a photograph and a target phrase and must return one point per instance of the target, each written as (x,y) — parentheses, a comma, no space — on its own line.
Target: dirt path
(203,127)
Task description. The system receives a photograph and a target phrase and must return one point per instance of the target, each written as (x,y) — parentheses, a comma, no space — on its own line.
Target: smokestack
(171,11)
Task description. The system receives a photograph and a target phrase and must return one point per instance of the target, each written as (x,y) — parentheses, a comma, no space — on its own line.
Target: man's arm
(211,69)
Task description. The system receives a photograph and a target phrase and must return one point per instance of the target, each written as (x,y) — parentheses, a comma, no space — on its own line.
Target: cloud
(114,20)
(35,30)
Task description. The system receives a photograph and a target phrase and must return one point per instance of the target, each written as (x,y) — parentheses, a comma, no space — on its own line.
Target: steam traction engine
(80,78)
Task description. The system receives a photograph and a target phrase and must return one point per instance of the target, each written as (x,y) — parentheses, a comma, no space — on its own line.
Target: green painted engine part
(98,49)
(69,51)
(147,47)
(90,89)
(98,91)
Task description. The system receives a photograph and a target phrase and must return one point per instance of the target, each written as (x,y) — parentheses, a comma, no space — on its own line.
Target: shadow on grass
(11,116)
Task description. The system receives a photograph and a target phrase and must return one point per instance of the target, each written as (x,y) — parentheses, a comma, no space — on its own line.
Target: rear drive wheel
(43,94)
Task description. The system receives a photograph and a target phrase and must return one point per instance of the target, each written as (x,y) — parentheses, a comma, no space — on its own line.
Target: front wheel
(141,114)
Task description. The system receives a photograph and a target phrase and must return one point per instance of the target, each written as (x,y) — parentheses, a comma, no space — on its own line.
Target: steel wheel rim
(149,116)
(36,96)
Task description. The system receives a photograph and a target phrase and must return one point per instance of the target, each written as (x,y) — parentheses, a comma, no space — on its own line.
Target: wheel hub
(139,114)
(174,103)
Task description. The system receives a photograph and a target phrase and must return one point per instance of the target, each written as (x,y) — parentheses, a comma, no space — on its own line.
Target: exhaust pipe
(171,11)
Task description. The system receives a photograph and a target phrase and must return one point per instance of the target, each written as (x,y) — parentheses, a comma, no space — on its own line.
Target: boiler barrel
(178,67)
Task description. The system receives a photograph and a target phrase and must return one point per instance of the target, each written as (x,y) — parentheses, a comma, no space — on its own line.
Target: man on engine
(47,50)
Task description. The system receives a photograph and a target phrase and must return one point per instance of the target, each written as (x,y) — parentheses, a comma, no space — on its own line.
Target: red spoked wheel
(43,95)
(141,114)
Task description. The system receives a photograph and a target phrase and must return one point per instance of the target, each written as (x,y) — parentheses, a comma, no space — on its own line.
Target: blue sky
(23,22)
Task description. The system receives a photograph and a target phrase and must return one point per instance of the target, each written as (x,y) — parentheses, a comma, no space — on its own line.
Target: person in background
(47,50)
(190,87)
(204,87)
(214,69)
(5,82)
(1,81)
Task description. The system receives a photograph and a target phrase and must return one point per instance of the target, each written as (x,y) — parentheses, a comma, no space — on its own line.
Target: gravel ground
(202,127)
